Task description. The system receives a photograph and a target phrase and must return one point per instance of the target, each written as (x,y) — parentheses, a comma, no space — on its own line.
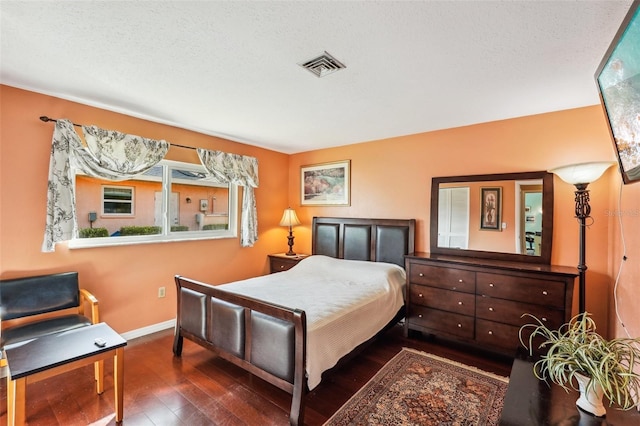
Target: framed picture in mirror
(491,208)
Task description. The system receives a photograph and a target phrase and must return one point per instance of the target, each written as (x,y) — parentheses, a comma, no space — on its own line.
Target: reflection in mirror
(530,219)
(504,216)
(453,217)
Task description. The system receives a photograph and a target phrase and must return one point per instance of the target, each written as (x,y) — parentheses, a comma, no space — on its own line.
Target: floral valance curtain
(109,154)
(118,156)
(238,170)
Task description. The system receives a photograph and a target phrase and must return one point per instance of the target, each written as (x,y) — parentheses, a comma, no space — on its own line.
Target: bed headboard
(376,240)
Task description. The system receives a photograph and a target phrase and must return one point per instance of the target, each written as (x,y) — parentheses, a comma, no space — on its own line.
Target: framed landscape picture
(325,184)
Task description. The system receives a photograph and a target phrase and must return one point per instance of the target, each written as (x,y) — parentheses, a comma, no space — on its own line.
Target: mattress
(346,303)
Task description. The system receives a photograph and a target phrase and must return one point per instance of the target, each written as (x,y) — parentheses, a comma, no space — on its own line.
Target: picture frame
(618,81)
(491,208)
(326,184)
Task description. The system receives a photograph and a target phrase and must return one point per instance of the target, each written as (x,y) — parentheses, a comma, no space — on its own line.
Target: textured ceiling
(231,69)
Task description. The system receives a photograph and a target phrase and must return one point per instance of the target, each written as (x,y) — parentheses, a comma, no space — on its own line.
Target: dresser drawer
(447,322)
(280,264)
(447,278)
(445,300)
(497,335)
(522,289)
(510,312)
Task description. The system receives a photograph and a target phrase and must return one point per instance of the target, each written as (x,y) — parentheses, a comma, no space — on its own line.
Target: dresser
(481,301)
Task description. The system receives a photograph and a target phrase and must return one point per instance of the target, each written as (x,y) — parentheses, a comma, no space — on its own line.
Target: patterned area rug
(416,388)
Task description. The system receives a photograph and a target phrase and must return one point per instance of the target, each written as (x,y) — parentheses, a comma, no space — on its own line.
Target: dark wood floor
(201,389)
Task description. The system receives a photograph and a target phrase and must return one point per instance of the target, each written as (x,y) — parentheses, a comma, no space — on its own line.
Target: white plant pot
(590,399)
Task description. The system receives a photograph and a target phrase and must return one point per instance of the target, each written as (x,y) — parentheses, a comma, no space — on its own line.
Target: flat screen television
(618,80)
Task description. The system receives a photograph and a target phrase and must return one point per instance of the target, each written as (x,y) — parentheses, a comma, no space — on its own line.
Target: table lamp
(290,219)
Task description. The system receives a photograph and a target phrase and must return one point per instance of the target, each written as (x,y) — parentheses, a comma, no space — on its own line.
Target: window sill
(80,243)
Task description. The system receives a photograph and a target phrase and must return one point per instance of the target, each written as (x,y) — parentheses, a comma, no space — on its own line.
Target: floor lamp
(290,219)
(581,175)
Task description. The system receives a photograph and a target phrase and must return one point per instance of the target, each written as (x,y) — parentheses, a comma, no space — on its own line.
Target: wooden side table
(58,353)
(281,262)
(531,402)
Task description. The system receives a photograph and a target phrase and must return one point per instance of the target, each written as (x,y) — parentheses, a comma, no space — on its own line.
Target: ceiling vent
(322,65)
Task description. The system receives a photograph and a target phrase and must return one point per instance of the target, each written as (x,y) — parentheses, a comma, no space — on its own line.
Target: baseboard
(154,328)
(139,332)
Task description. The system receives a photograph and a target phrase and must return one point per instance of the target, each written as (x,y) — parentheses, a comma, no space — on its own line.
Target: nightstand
(281,262)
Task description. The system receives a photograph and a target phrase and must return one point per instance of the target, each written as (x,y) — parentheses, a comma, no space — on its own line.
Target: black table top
(58,349)
(530,401)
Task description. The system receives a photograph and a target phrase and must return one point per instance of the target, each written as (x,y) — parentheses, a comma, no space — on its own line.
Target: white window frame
(132,202)
(167,235)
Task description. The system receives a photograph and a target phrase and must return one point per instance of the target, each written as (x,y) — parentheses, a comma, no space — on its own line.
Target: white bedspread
(346,302)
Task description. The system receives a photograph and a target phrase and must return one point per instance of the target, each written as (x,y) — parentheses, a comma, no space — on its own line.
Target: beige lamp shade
(583,173)
(289,218)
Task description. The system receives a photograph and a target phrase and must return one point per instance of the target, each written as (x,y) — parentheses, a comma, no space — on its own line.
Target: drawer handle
(459,325)
(491,309)
(419,315)
(420,295)
(459,303)
(454,288)
(421,274)
(544,319)
(490,332)
(281,266)
(490,284)
(544,292)
(460,281)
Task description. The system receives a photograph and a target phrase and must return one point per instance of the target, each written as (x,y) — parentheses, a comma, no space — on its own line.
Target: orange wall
(389,178)
(125,279)
(624,214)
(392,178)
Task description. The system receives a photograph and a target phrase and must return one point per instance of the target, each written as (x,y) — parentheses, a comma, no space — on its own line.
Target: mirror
(507,216)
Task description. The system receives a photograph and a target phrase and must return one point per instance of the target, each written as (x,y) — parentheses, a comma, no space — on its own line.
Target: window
(117,200)
(171,201)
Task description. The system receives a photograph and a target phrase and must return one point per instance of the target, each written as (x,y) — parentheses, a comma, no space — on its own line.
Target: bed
(290,327)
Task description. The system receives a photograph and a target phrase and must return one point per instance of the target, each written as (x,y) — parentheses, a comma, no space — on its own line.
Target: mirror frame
(547,217)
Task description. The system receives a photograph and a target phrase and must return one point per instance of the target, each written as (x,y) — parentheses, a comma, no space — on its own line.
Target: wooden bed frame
(268,340)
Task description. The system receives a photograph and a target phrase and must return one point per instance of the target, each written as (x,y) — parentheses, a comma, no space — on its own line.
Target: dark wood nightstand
(281,262)
(532,402)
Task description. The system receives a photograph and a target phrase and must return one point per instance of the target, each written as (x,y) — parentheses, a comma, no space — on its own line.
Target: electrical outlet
(161,291)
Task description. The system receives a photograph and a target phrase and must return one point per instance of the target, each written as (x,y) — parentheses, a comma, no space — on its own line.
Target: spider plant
(576,348)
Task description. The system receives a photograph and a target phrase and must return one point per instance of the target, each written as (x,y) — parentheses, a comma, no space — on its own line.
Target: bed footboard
(264,339)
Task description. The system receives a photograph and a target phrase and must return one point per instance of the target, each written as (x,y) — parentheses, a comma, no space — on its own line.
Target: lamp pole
(583,210)
(580,175)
